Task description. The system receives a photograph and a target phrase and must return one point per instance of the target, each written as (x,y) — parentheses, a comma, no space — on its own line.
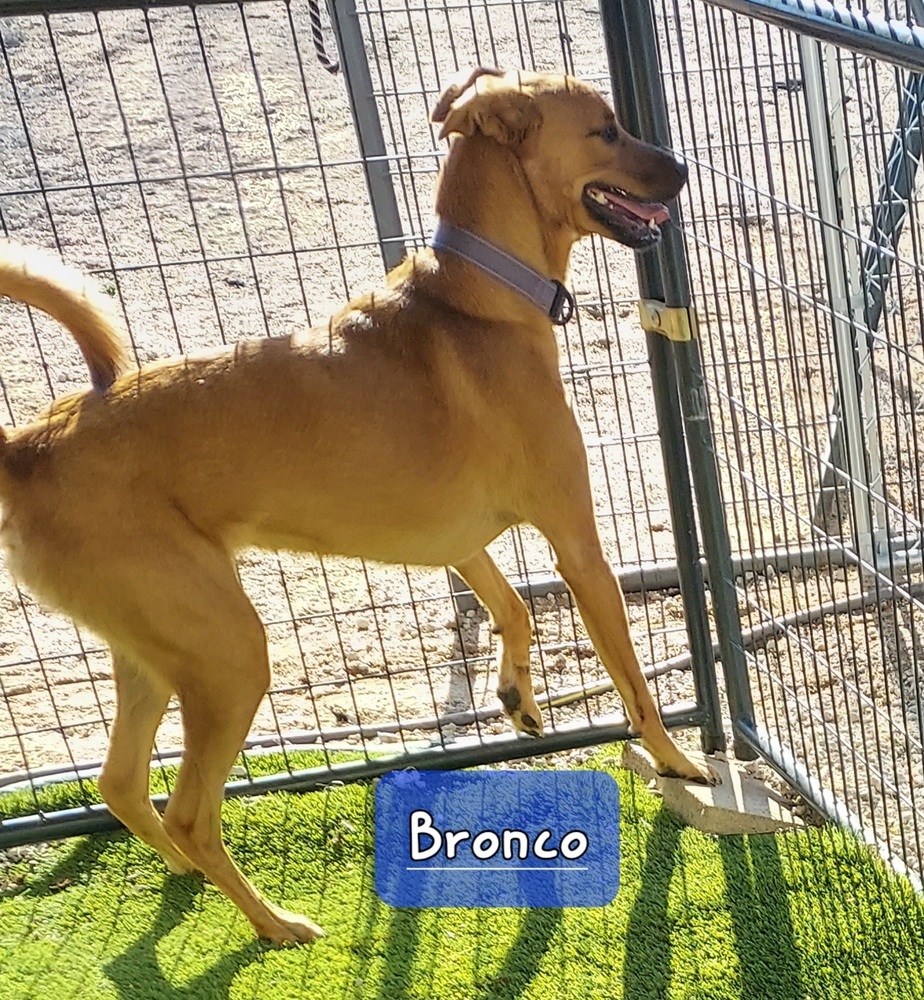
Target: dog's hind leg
(175,605)
(213,650)
(510,621)
(141,699)
(218,707)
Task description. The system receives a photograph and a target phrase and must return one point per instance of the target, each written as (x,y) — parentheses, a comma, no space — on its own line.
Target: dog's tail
(43,280)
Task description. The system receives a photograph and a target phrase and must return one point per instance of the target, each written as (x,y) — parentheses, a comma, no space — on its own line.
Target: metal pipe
(31,8)
(824,101)
(97,818)
(628,98)
(898,44)
(665,574)
(368,125)
(278,742)
(880,254)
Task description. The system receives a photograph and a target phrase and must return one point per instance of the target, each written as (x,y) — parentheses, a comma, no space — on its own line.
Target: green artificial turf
(785,917)
(74,794)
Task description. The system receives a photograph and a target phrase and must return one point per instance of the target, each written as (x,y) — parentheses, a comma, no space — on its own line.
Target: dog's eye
(609,133)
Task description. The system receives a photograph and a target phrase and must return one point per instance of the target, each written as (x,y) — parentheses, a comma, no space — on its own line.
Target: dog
(422,421)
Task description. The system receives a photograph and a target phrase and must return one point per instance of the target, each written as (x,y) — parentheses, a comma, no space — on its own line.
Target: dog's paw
(669,761)
(179,864)
(691,772)
(524,723)
(285,927)
(522,710)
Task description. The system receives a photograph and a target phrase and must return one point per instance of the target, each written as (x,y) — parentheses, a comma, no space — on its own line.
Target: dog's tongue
(652,211)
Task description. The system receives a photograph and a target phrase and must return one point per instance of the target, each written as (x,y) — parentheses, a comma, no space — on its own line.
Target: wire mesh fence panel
(792,218)
(205,167)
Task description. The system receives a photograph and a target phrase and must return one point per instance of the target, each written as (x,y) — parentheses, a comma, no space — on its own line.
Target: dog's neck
(484,190)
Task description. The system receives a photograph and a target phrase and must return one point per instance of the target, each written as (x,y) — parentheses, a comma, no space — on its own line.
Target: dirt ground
(205,167)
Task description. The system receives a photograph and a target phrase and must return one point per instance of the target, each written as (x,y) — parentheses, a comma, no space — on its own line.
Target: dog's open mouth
(634,223)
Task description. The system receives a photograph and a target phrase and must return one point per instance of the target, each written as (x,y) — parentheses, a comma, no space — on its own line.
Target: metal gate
(802,124)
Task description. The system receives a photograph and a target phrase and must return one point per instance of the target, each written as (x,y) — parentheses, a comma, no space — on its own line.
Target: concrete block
(738,803)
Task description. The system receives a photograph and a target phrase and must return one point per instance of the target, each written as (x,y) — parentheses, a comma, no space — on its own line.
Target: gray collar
(550,296)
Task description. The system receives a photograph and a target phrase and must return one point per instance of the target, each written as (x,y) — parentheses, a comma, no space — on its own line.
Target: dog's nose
(674,172)
(665,173)
(681,170)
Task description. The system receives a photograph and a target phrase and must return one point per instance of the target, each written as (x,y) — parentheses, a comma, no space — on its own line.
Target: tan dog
(422,421)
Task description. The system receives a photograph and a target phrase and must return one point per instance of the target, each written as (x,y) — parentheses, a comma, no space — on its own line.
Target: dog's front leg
(570,528)
(510,621)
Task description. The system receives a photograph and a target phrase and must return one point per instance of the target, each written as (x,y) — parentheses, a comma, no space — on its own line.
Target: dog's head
(586,172)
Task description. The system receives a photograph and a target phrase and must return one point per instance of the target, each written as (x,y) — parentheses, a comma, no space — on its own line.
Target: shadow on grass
(136,973)
(757,902)
(400,953)
(366,919)
(536,930)
(535,933)
(647,969)
(80,858)
(761,919)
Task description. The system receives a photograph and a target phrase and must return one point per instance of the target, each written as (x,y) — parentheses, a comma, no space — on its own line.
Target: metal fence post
(355,65)
(679,388)
(857,442)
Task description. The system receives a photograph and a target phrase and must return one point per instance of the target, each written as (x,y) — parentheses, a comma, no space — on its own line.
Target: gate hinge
(677,323)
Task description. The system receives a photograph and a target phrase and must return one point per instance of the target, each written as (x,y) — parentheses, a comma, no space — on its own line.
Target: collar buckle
(562,308)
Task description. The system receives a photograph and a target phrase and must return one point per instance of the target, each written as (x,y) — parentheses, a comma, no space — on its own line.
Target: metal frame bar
(860,450)
(510,746)
(689,454)
(26,8)
(878,263)
(853,32)
(355,66)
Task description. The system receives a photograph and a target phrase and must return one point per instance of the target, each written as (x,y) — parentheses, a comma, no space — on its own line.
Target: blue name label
(497,838)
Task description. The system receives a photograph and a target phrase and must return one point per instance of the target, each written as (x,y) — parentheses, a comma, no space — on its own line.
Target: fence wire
(204,166)
(835,654)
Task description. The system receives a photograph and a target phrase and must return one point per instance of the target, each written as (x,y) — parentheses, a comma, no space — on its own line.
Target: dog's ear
(457,86)
(496,109)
